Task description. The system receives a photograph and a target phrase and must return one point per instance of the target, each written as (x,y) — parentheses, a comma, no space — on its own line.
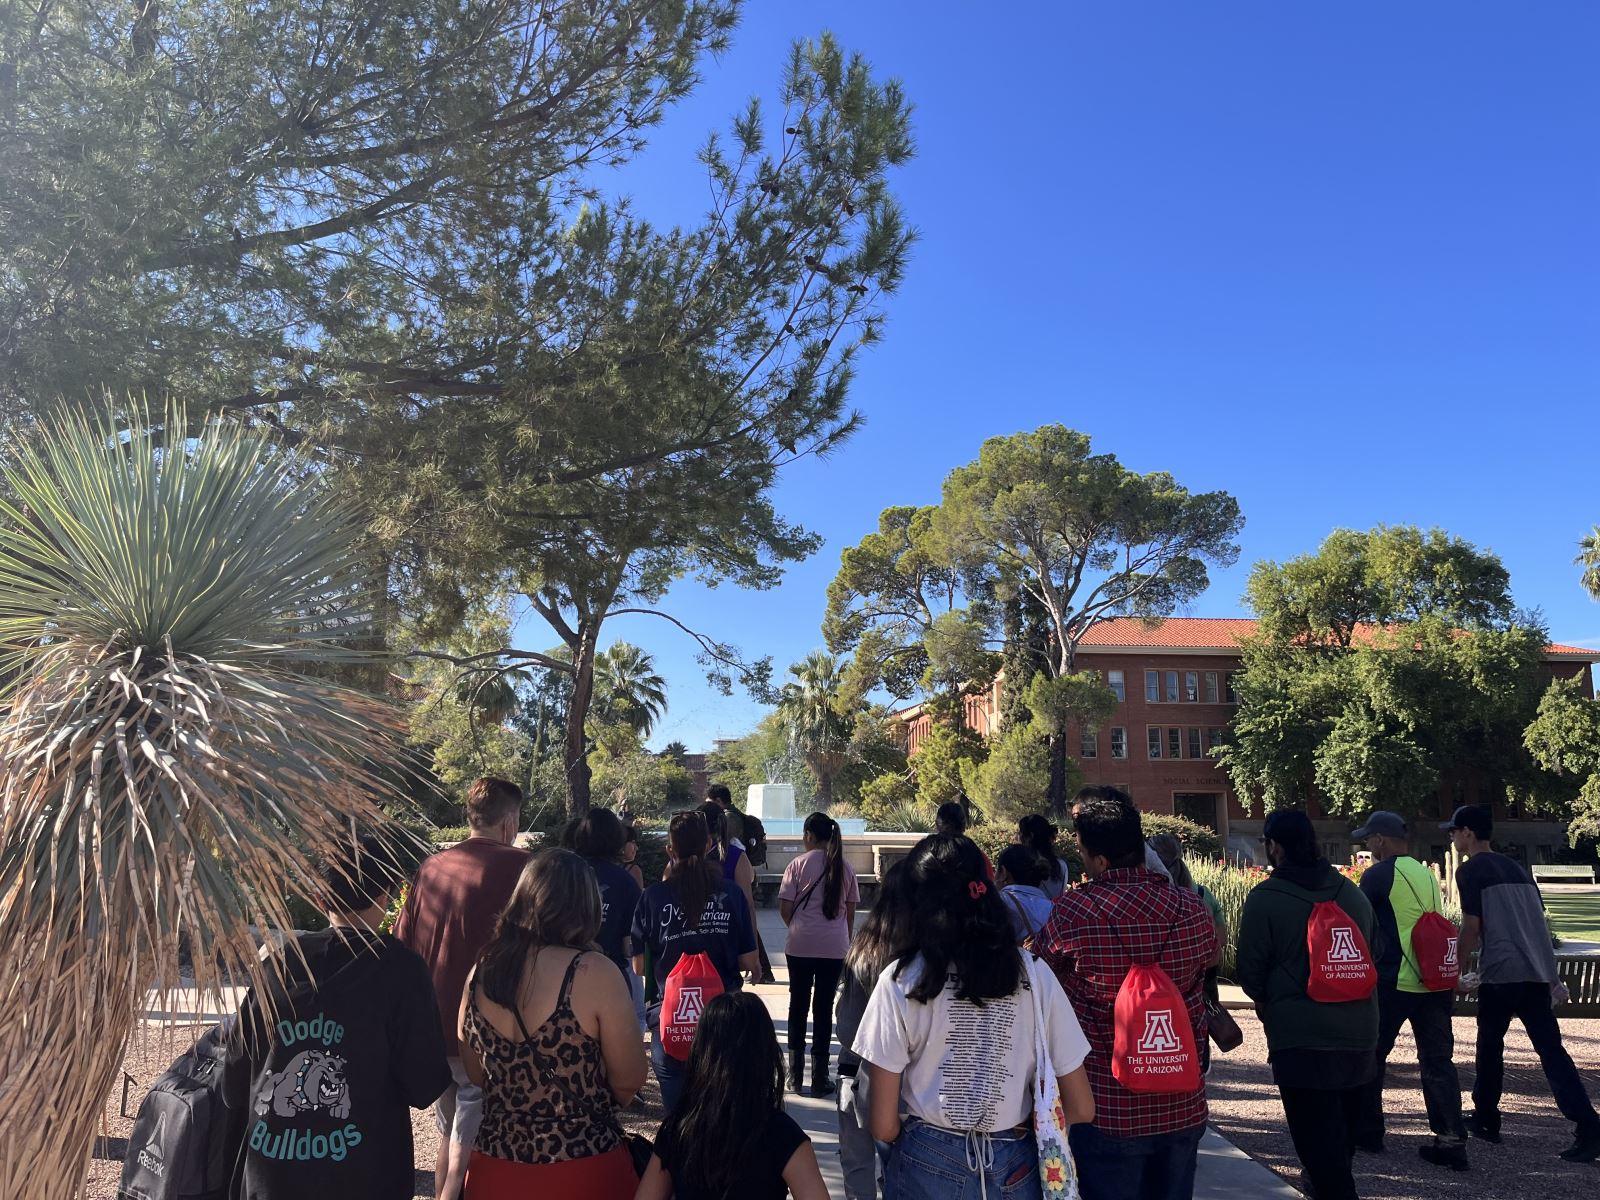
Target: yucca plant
(177,612)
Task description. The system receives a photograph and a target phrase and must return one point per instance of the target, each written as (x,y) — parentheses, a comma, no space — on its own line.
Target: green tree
(176,618)
(1379,662)
(1564,739)
(676,752)
(818,732)
(628,691)
(1014,778)
(1589,559)
(877,748)
(376,227)
(1086,538)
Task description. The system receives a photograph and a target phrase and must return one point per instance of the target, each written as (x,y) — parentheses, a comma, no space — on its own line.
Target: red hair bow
(977,889)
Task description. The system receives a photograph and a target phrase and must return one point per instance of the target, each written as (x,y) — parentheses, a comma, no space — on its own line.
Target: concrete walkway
(1225,1173)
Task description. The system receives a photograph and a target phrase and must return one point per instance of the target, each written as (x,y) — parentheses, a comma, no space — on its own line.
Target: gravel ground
(1245,1109)
(153,1051)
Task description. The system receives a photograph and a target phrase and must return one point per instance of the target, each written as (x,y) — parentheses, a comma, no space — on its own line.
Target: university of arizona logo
(689,1007)
(1450,953)
(1159,1037)
(1344,948)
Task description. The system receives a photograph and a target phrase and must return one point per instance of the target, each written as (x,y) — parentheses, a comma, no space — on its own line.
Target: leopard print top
(545,1098)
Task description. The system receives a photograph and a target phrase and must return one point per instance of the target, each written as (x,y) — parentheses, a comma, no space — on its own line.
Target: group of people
(982,1009)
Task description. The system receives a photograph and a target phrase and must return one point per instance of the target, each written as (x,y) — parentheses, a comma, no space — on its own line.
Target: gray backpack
(185,1139)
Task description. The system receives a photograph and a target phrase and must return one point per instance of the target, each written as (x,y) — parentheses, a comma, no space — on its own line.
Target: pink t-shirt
(812,935)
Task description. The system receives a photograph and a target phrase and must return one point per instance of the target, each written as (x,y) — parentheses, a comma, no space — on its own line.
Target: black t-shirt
(724,931)
(354,1043)
(759,1173)
(619,899)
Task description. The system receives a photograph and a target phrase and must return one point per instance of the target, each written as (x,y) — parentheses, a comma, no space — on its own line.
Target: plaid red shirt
(1159,923)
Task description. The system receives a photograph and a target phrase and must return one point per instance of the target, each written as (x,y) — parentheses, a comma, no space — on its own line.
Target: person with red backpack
(1415,952)
(699,935)
(1304,957)
(1131,952)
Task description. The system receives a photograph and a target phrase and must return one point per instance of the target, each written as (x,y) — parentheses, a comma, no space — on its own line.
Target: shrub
(890,803)
(1230,885)
(1198,840)
(449,835)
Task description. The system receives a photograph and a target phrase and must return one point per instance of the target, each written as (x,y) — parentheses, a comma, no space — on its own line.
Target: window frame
(1172,692)
(1175,742)
(1117,681)
(1213,692)
(1088,743)
(1121,730)
(1196,749)
(1152,686)
(1191,687)
(1152,742)
(1229,691)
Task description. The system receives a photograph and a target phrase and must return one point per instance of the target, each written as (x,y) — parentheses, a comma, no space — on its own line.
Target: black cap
(1382,822)
(1473,817)
(1288,825)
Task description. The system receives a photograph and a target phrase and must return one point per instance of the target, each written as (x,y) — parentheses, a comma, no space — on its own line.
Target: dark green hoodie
(1274,962)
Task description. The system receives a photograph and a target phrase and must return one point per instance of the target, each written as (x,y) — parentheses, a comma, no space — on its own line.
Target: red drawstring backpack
(1341,963)
(1153,1048)
(693,983)
(1433,947)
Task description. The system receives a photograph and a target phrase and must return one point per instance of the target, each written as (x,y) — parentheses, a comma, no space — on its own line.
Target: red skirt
(608,1176)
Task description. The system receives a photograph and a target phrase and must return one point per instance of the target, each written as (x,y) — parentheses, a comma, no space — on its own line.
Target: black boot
(821,1085)
(797,1070)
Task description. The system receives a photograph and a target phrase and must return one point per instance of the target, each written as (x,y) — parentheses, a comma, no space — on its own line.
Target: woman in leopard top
(548,1031)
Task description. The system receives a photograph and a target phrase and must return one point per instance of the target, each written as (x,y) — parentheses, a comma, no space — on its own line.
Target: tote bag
(1058,1174)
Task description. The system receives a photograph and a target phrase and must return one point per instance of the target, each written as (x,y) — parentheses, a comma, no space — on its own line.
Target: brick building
(1174,684)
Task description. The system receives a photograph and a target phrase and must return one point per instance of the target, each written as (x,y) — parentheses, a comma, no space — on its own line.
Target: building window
(1115,681)
(1213,738)
(1191,686)
(1119,742)
(1155,741)
(1174,743)
(1211,687)
(1152,686)
(1194,743)
(1172,687)
(1089,744)
(1233,696)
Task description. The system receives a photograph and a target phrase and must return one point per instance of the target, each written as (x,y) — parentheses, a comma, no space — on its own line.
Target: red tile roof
(1221,633)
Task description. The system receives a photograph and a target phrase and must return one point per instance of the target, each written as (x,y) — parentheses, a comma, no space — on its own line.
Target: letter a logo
(1450,953)
(1158,1035)
(1343,949)
(689,1007)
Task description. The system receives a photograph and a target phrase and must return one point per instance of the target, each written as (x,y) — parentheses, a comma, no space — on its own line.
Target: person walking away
(951,819)
(732,818)
(547,1031)
(1169,850)
(730,1138)
(1322,1054)
(1020,874)
(694,910)
(949,1039)
(324,1068)
(1400,890)
(886,933)
(630,853)
(1141,1145)
(1039,834)
(1152,860)
(738,828)
(599,840)
(817,900)
(1503,919)
(448,917)
(737,868)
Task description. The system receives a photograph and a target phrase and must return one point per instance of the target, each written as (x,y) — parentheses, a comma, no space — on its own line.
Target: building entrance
(1199,807)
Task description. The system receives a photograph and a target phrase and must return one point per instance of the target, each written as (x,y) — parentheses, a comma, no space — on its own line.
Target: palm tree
(817,731)
(627,691)
(1589,559)
(176,745)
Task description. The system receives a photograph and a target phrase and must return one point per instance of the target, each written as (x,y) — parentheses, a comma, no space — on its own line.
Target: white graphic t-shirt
(964,1066)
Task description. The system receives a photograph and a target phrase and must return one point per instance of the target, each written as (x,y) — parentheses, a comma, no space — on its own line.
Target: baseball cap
(1473,817)
(1383,823)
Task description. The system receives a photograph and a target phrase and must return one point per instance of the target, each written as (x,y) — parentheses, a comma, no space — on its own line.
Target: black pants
(1429,1014)
(761,949)
(812,983)
(1323,1127)
(1530,1004)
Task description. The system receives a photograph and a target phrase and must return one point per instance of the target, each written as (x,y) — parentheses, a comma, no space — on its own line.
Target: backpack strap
(1100,912)
(1410,958)
(1033,931)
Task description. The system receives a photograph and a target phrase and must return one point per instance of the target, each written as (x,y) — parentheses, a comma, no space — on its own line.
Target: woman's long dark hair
(961,925)
(695,878)
(825,830)
(600,834)
(556,903)
(716,825)
(888,930)
(732,1085)
(1037,833)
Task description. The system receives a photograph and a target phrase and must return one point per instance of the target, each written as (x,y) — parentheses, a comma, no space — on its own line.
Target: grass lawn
(1574,914)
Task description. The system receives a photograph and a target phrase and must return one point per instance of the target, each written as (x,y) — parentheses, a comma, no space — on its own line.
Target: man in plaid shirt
(1142,1146)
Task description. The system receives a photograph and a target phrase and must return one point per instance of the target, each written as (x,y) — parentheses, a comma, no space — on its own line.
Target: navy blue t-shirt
(619,900)
(724,931)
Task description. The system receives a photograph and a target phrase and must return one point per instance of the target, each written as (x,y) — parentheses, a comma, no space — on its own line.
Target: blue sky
(1341,260)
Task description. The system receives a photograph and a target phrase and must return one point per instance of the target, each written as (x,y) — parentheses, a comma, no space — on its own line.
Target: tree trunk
(825,790)
(576,751)
(1056,794)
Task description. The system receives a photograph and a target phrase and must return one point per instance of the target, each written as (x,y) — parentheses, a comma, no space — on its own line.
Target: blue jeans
(1159,1166)
(935,1164)
(669,1071)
